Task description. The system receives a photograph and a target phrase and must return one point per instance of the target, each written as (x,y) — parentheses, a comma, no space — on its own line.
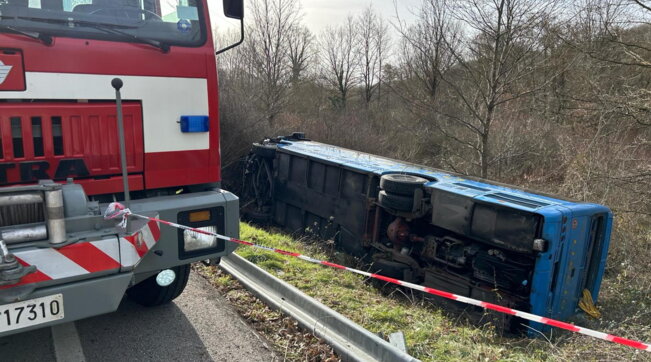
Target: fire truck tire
(149,293)
(401,184)
(395,202)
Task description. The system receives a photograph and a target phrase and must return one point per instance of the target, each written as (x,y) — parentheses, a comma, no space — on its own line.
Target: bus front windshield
(157,22)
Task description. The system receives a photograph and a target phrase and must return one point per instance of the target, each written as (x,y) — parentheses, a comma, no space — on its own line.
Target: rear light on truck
(193,244)
(193,241)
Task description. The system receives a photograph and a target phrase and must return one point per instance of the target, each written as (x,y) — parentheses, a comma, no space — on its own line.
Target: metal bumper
(93,268)
(84,299)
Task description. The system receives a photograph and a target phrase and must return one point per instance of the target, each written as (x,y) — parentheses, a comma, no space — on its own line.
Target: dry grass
(436,330)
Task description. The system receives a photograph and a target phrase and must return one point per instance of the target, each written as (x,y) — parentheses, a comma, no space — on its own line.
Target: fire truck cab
(60,260)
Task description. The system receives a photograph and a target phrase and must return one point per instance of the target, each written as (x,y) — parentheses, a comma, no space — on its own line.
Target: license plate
(31,312)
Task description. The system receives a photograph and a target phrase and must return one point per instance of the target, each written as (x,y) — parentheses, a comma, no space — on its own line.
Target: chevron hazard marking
(4,71)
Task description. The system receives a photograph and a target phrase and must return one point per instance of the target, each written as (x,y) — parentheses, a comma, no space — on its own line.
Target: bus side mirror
(234,9)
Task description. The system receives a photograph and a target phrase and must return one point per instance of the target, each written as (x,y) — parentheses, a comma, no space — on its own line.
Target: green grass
(434,331)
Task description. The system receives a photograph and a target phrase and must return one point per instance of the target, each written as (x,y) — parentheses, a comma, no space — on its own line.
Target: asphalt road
(198,326)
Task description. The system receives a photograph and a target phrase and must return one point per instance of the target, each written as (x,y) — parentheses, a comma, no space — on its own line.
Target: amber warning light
(198,216)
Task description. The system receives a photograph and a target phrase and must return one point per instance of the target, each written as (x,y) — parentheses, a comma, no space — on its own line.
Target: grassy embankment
(433,331)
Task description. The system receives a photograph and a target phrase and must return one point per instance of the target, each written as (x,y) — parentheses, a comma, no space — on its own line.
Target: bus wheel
(400,184)
(396,202)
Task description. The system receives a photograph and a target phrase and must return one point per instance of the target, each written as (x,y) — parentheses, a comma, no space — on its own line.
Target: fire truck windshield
(157,22)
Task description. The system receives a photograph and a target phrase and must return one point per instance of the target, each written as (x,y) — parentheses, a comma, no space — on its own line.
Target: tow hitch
(11,271)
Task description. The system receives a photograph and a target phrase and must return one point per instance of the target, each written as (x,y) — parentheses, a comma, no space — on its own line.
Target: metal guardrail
(349,340)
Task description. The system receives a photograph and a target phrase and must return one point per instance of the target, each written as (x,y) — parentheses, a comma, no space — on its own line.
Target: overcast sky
(319,14)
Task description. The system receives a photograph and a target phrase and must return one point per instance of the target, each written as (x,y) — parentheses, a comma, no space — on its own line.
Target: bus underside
(476,239)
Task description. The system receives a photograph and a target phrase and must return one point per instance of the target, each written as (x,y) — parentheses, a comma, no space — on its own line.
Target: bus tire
(401,184)
(395,202)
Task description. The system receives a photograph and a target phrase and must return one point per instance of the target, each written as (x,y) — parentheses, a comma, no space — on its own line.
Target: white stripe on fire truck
(108,247)
(89,257)
(160,130)
(128,253)
(148,237)
(52,263)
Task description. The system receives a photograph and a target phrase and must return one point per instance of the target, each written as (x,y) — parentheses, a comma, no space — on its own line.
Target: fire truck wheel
(149,293)
(395,202)
(401,184)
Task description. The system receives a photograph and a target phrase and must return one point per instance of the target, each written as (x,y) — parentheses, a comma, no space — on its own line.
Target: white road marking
(67,346)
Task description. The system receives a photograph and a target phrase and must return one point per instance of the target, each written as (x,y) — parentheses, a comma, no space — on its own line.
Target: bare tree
(268,50)
(623,40)
(236,80)
(615,22)
(339,60)
(427,49)
(373,42)
(608,96)
(499,49)
(300,51)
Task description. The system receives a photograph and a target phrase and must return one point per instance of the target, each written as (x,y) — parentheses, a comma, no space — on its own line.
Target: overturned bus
(470,237)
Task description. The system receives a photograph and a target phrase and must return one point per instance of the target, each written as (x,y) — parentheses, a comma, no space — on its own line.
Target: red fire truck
(60,160)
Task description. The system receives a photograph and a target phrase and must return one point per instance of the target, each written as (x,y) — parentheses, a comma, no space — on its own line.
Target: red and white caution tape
(119,211)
